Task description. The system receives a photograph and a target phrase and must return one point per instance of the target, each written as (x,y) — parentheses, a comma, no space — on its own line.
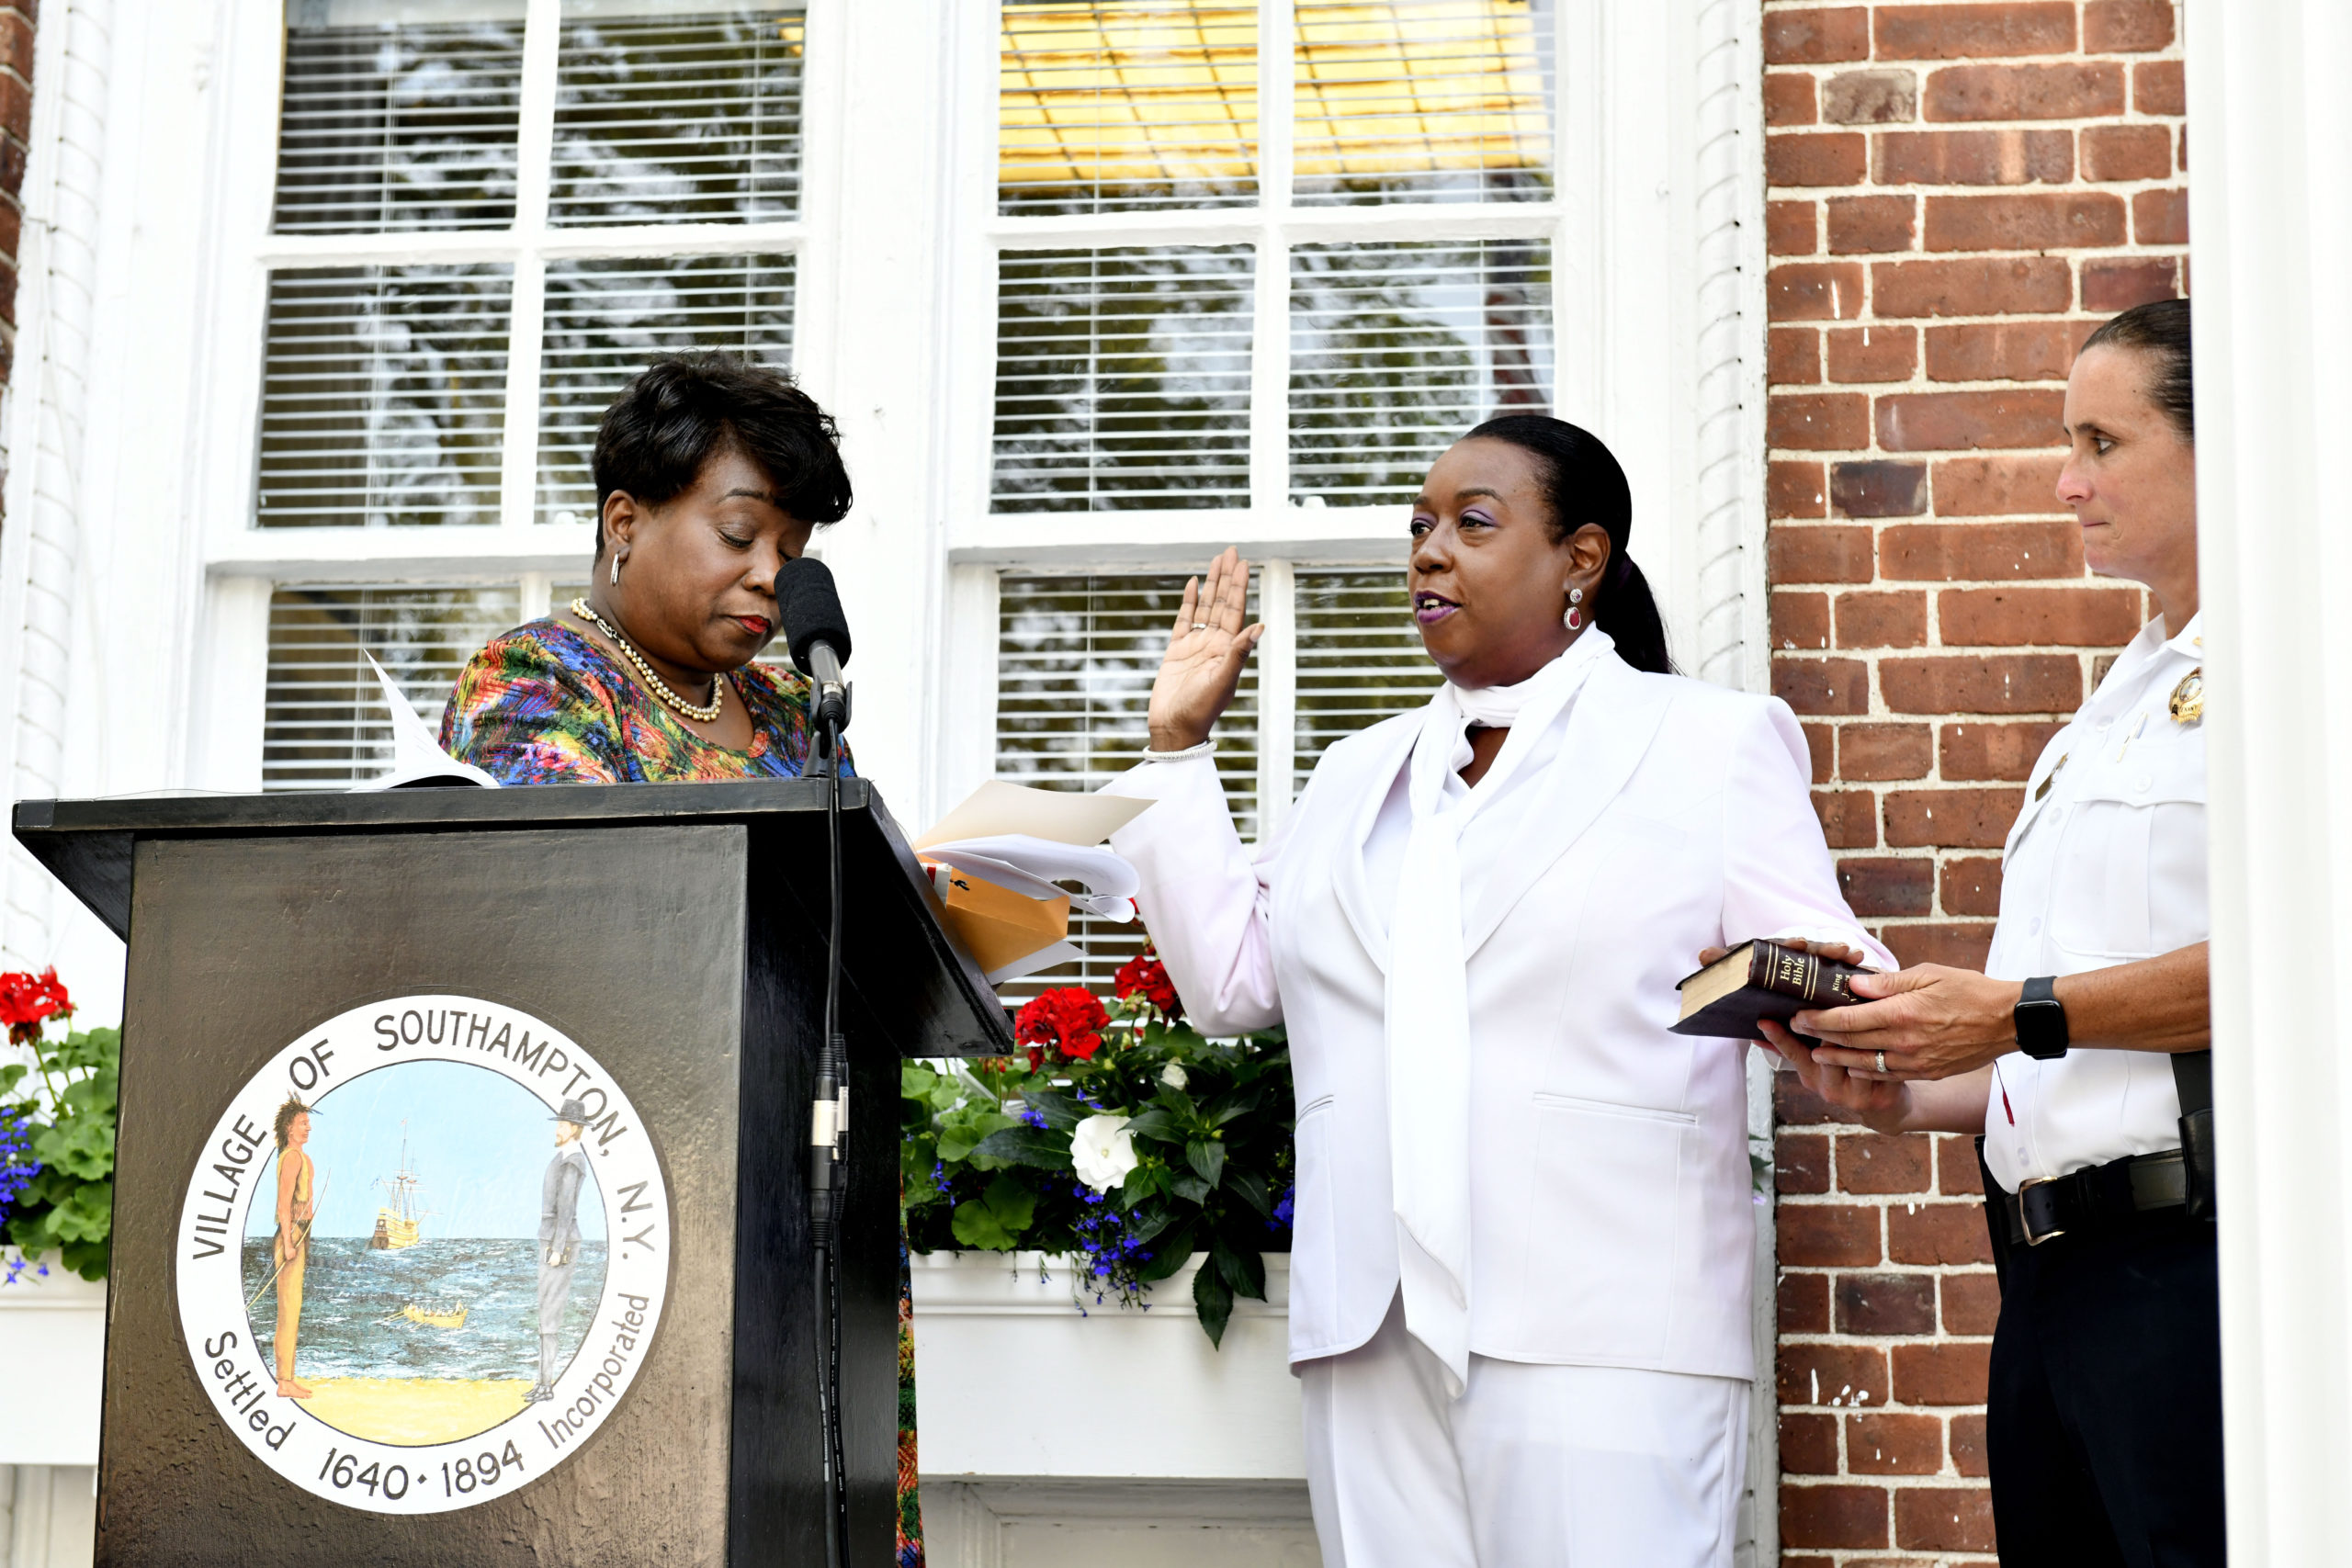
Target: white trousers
(1533,1467)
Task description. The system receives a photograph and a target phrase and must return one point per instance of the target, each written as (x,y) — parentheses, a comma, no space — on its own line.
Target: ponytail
(1585,485)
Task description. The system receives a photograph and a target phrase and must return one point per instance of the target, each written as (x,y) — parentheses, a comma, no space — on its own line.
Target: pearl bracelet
(1186,755)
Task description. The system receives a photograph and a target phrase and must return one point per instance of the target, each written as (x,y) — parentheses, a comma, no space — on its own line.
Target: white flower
(1103,1151)
(1172,1074)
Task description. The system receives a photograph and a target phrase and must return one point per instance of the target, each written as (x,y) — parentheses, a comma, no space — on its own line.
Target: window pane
(1423,100)
(1075,660)
(1395,350)
(1112,106)
(325,727)
(398,113)
(1122,379)
(384,395)
(606,319)
(677,111)
(1360,658)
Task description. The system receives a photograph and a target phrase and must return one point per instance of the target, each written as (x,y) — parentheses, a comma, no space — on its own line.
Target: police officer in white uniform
(2081,1055)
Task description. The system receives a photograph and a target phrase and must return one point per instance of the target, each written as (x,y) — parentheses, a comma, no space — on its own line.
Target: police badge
(2188,700)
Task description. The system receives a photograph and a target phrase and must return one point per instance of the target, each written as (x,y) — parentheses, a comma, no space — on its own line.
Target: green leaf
(1150,1223)
(1251,1190)
(916,1081)
(10,1074)
(1013,1204)
(1171,1255)
(993,1222)
(1061,1113)
(1158,1125)
(1024,1145)
(1139,1185)
(978,1227)
(1213,1302)
(1244,1271)
(1190,1187)
(959,1135)
(1207,1156)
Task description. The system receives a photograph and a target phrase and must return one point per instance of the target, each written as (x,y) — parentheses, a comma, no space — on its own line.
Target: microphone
(817,633)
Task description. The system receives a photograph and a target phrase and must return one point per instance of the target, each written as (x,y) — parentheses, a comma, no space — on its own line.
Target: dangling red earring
(1574,619)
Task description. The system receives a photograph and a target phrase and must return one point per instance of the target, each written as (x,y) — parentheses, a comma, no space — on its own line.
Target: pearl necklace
(653,683)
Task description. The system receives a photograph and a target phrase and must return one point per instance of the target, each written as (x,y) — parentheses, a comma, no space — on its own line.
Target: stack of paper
(996,860)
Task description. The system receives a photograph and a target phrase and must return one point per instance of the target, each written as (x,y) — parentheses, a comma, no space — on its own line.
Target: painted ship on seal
(398,1219)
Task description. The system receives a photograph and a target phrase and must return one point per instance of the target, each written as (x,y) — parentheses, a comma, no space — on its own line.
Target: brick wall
(1959,193)
(17,18)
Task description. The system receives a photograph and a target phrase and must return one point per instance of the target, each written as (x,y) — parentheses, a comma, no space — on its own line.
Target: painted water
(352,1298)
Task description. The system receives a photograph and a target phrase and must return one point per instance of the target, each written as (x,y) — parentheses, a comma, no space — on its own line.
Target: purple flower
(1283,1209)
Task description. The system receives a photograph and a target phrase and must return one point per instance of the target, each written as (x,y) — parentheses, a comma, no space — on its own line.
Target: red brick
(2160,218)
(1876,886)
(1818,422)
(1873,354)
(2160,87)
(2005,351)
(2014,617)
(1839,553)
(1807,1562)
(1833,1516)
(1865,223)
(1878,752)
(1882,1162)
(1886,1444)
(1849,817)
(2051,221)
(1972,885)
(1993,750)
(1790,228)
(1969,32)
(2112,286)
(1792,356)
(1885,1305)
(1816,158)
(1992,285)
(2126,152)
(1813,291)
(1993,487)
(1956,1175)
(2085,91)
(1871,98)
(1972,1302)
(1808,1445)
(1948,942)
(1967,1446)
(1803,1304)
(1788,99)
(1820,742)
(1795,490)
(1976,157)
(1981,551)
(1850,1375)
(15,108)
(1817,38)
(1800,621)
(1823,686)
(2126,27)
(16,45)
(1878,488)
(2001,682)
(1927,422)
(1950,819)
(1882,620)
(1941,1374)
(1801,1162)
(1943,1519)
(2184,166)
(1930,1234)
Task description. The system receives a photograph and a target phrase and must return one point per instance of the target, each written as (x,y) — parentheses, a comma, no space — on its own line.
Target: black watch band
(2040,1020)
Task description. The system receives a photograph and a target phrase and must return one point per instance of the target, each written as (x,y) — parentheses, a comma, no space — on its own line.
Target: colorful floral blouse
(543,705)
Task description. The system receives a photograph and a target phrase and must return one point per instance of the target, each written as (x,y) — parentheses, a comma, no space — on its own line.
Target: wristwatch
(2040,1020)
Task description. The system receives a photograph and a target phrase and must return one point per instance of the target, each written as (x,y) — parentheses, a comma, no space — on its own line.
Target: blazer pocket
(1314,1241)
(1608,1223)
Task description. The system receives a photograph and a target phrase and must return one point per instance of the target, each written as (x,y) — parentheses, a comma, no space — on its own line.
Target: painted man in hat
(559,1237)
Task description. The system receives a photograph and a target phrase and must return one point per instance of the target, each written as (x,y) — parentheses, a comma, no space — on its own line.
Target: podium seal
(422,1254)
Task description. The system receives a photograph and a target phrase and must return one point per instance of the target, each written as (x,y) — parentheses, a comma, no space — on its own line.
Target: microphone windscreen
(810,611)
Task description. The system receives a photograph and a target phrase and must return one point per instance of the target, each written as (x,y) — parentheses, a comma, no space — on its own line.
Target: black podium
(637,969)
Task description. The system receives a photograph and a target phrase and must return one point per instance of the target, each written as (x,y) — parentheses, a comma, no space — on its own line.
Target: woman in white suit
(1520,1277)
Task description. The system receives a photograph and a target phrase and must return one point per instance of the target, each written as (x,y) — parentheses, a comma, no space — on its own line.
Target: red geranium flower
(1144,975)
(1067,1019)
(27,999)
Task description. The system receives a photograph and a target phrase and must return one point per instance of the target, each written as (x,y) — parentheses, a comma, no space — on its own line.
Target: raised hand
(1206,648)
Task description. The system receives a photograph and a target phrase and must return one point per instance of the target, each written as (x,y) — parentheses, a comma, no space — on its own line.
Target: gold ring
(1882,1064)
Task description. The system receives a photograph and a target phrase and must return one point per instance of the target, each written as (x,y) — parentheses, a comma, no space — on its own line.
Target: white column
(2272,216)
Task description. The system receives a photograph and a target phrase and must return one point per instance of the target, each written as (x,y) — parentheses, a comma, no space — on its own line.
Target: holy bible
(1762,979)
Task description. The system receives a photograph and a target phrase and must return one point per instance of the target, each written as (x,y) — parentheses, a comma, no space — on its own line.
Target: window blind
(1075,661)
(399,115)
(1358,657)
(324,725)
(677,111)
(1123,379)
(1396,349)
(383,395)
(606,319)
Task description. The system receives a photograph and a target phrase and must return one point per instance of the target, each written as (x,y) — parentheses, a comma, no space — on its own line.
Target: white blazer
(1612,1219)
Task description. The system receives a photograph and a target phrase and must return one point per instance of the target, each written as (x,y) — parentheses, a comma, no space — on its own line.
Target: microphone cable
(828,1172)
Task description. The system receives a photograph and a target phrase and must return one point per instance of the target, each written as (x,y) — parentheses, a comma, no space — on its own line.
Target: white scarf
(1427,1002)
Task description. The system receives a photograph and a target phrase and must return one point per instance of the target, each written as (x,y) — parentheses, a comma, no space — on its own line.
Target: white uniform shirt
(2106,865)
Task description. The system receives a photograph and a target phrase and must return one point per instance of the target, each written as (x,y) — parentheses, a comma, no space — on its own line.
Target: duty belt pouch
(1996,1220)
(2192,1075)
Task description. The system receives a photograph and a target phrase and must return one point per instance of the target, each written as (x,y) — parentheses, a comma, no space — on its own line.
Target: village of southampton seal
(422,1254)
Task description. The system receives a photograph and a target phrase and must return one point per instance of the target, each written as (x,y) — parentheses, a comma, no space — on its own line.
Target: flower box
(54,1336)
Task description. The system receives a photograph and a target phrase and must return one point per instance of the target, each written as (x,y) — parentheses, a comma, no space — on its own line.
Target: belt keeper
(2197,1161)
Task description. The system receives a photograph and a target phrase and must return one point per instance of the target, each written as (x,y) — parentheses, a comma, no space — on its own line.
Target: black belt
(2099,1198)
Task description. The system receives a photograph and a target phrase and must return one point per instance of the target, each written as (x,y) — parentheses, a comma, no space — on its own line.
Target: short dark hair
(682,408)
(2159,330)
(286,1114)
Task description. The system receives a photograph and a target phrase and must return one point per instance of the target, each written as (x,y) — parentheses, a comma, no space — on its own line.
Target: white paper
(1044,958)
(998,809)
(415,753)
(1029,866)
